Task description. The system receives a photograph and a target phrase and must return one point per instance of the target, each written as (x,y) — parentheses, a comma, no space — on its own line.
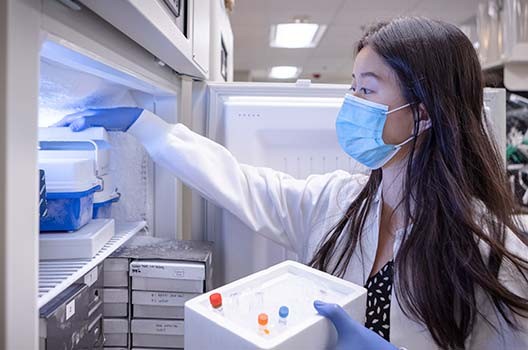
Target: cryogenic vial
(263,324)
(216,303)
(283,316)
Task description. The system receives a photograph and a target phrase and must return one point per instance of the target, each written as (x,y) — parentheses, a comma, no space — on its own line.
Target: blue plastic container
(68,211)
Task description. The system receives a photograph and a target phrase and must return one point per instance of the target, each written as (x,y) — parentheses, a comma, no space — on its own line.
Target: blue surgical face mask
(359,127)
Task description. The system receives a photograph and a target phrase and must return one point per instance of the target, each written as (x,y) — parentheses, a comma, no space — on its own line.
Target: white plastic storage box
(63,143)
(152,257)
(70,186)
(149,304)
(161,275)
(158,333)
(116,272)
(115,264)
(115,331)
(168,284)
(115,278)
(183,270)
(82,244)
(115,302)
(288,284)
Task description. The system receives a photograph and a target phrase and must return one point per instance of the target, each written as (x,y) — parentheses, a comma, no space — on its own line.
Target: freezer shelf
(56,275)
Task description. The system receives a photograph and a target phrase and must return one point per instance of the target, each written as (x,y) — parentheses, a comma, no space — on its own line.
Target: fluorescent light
(296,35)
(284,72)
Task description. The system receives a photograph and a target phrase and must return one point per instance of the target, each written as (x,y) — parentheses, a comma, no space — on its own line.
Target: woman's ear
(422,111)
(425,121)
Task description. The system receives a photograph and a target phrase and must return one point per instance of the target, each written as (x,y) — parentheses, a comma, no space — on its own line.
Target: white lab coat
(297,213)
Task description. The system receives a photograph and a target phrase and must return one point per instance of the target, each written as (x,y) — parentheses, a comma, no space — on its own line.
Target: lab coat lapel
(370,235)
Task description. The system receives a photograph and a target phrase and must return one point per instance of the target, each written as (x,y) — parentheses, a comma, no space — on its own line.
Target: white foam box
(157,333)
(180,270)
(115,302)
(168,284)
(81,244)
(115,331)
(288,283)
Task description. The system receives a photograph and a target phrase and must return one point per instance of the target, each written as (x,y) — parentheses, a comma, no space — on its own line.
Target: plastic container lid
(284,311)
(61,142)
(69,175)
(66,134)
(216,300)
(263,319)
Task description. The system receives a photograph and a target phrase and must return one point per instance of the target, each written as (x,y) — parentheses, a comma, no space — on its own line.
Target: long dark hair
(455,190)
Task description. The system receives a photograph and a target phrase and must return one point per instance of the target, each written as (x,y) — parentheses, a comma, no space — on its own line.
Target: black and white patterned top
(379,288)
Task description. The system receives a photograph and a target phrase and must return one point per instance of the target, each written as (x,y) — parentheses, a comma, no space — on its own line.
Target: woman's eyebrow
(367,74)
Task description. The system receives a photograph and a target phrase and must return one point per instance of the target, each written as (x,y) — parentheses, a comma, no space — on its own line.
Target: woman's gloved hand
(350,334)
(112,119)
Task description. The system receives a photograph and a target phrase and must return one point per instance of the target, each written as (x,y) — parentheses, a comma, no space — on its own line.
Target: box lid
(68,175)
(66,134)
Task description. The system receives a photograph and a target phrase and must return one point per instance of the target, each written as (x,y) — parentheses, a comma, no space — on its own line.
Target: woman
(430,232)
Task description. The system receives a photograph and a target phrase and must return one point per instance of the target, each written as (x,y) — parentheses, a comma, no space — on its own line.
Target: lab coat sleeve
(484,336)
(269,202)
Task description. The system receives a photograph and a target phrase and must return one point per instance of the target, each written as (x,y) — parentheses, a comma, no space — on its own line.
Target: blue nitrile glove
(112,119)
(350,334)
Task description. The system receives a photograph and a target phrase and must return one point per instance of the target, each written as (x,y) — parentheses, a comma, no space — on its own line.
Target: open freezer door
(286,127)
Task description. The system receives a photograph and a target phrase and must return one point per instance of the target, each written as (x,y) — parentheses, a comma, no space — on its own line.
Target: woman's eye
(365,91)
(352,88)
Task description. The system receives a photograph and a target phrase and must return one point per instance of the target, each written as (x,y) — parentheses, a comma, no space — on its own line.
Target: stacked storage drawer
(163,275)
(74,319)
(160,289)
(116,305)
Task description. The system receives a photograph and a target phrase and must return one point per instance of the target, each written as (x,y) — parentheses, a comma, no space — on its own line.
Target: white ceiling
(333,57)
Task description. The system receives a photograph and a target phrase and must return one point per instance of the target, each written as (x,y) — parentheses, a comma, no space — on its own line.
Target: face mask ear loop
(397,109)
(417,127)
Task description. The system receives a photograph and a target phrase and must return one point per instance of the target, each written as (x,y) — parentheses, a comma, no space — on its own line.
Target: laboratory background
(100,247)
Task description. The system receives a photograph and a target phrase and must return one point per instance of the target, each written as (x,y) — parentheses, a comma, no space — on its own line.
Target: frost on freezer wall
(64,90)
(133,172)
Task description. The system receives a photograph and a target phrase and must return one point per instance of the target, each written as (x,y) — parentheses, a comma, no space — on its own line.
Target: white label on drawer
(162,327)
(91,277)
(168,269)
(70,309)
(161,298)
